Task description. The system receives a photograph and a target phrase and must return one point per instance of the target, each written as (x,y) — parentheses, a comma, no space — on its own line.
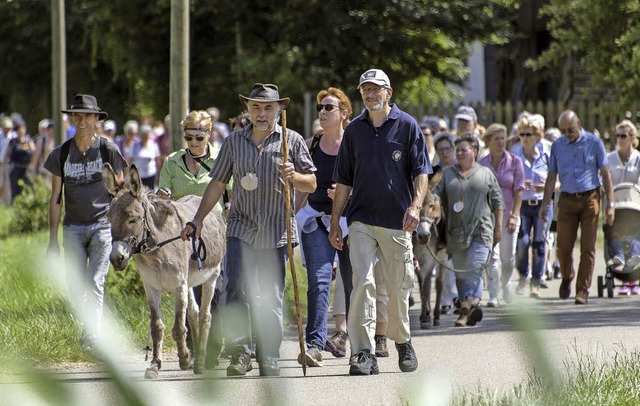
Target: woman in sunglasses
(536,166)
(186,171)
(624,165)
(334,111)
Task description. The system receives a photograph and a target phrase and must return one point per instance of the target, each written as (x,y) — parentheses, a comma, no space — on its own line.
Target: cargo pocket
(405,259)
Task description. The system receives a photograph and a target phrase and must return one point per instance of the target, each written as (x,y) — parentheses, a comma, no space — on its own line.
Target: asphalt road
(493,355)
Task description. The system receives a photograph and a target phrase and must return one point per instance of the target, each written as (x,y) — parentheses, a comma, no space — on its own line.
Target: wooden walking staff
(292,265)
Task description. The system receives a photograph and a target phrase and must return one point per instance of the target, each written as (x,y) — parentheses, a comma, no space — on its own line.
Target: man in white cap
(382,169)
(256,226)
(466,121)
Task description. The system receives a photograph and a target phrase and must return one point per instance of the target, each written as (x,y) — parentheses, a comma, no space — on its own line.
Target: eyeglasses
(623,135)
(570,130)
(190,138)
(374,90)
(443,150)
(327,107)
(526,134)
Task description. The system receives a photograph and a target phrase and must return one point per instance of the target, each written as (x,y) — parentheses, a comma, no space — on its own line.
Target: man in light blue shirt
(577,157)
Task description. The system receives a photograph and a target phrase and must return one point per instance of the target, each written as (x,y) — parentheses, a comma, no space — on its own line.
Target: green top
(181,182)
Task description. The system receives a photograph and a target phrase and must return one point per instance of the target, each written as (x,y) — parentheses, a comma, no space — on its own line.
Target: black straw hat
(85,103)
(264,93)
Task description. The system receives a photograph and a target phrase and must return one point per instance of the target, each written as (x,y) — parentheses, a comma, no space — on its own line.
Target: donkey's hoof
(151,373)
(436,322)
(185,363)
(425,325)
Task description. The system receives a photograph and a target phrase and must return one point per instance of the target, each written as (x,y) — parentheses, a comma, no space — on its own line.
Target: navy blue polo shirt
(380,164)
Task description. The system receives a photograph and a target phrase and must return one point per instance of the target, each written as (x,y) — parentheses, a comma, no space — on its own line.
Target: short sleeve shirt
(86,200)
(577,163)
(258,216)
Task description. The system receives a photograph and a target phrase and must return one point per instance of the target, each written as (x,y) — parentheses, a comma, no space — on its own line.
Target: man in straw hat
(77,164)
(383,165)
(256,230)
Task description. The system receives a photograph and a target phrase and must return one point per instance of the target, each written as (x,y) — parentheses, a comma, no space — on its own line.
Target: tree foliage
(119,50)
(600,37)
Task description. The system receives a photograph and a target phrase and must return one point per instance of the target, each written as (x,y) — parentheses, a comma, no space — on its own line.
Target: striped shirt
(182,182)
(258,216)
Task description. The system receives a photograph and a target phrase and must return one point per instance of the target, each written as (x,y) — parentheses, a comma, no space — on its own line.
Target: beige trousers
(394,250)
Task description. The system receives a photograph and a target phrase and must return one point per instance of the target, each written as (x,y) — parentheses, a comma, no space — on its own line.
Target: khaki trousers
(394,250)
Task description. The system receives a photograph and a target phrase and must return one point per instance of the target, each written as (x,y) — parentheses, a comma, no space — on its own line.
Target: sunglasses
(327,107)
(190,138)
(526,134)
(623,136)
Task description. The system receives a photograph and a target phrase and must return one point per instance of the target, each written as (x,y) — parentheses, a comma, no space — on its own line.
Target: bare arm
(55,210)
(515,214)
(608,189)
(210,198)
(497,231)
(299,200)
(549,187)
(339,202)
(411,217)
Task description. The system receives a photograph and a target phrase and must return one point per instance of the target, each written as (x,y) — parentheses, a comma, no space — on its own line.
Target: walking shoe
(556,270)
(240,364)
(624,290)
(445,309)
(617,264)
(366,364)
(469,317)
(475,315)
(565,289)
(635,289)
(632,263)
(381,346)
(543,285)
(313,357)
(522,286)
(407,360)
(535,292)
(269,367)
(507,293)
(493,302)
(337,344)
(582,297)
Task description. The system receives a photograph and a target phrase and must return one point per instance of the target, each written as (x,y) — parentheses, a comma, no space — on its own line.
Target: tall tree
(599,37)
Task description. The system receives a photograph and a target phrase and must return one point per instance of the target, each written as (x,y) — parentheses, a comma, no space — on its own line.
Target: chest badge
(396,155)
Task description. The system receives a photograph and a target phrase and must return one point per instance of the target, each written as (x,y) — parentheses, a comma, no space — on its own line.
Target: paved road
(492,355)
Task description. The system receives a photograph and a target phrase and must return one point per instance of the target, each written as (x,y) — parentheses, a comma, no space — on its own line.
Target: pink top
(510,176)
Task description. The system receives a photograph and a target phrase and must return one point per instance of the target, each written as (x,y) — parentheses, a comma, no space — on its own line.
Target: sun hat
(264,93)
(466,113)
(86,103)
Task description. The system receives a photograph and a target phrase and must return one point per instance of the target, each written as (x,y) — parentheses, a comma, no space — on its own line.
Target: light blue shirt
(577,163)
(535,172)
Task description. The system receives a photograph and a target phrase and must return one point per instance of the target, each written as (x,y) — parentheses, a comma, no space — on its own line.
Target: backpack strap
(315,143)
(64,154)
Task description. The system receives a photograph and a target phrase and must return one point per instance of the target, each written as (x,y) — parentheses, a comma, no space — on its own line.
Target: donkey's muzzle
(120,254)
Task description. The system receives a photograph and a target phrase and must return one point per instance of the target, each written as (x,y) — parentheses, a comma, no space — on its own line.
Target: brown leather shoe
(582,297)
(565,289)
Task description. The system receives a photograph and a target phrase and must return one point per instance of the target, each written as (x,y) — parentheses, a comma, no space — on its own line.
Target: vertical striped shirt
(258,217)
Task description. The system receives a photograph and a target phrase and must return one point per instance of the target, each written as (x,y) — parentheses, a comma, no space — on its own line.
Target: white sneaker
(617,264)
(493,302)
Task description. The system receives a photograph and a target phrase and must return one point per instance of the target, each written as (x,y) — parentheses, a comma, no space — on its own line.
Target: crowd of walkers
(507,193)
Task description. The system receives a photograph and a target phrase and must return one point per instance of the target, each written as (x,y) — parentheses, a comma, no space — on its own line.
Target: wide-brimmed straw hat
(265,93)
(85,103)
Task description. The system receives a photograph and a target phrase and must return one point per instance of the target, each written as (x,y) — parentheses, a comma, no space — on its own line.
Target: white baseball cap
(375,76)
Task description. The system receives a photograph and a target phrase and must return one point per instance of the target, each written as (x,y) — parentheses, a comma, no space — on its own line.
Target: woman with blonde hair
(624,165)
(533,230)
(508,169)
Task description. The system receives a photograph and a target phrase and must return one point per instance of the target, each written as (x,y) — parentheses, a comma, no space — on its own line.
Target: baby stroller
(625,227)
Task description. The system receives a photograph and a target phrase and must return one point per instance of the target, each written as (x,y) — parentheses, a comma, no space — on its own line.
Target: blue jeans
(319,256)
(529,220)
(617,248)
(90,243)
(255,291)
(468,264)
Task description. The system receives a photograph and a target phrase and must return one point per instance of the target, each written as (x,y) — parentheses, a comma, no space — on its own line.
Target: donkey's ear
(135,184)
(109,177)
